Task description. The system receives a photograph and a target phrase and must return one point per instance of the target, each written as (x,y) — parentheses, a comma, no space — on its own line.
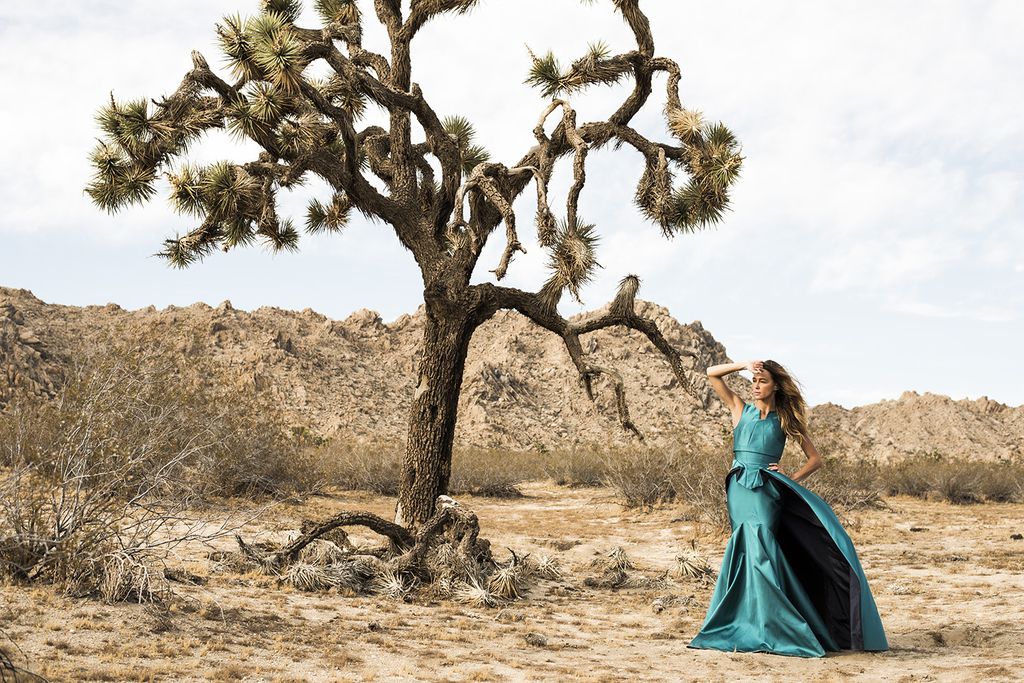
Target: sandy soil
(949,583)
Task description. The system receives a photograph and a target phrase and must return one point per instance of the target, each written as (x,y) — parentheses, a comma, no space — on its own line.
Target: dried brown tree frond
(392,585)
(614,559)
(473,592)
(692,564)
(544,566)
(324,553)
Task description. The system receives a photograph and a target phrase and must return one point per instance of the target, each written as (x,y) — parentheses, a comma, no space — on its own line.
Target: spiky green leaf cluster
(239,48)
(136,141)
(337,11)
(264,47)
(330,217)
(289,10)
(117,182)
(546,74)
(594,68)
(712,159)
(238,210)
(278,52)
(572,259)
(462,130)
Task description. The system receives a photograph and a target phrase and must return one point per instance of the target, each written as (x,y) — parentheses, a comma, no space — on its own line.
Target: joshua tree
(310,127)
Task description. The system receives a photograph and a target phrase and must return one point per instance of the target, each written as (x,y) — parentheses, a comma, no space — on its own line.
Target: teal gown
(790,583)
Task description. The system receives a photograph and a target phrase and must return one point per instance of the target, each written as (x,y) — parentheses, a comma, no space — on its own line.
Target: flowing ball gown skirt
(790,582)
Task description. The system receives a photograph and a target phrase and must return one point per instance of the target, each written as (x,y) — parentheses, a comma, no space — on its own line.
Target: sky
(875,242)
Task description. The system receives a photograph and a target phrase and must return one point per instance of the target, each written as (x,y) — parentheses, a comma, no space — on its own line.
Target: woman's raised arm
(728,396)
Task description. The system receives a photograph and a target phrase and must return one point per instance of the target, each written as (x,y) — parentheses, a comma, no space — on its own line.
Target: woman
(790,583)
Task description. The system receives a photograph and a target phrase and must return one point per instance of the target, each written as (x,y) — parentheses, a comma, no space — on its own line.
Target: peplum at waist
(749,465)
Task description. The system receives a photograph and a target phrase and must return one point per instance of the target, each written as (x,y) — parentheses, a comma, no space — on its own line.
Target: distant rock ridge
(354,379)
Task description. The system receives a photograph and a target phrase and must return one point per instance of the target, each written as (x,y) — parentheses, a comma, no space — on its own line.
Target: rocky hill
(354,378)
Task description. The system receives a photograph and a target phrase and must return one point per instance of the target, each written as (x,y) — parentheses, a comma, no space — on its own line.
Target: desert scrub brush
(125,578)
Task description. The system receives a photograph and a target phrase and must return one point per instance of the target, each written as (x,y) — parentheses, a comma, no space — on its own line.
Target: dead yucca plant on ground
(689,563)
(658,582)
(392,585)
(544,566)
(507,580)
(307,577)
(476,593)
(614,559)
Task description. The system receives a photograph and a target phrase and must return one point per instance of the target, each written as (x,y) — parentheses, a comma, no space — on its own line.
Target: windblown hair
(789,402)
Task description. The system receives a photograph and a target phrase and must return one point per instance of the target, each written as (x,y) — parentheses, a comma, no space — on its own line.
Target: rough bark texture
(427,470)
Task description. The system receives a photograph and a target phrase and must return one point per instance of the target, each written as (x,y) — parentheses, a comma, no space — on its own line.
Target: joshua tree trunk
(450,323)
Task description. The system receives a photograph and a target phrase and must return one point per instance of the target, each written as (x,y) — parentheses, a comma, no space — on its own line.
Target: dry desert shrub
(848,485)
(493,472)
(957,481)
(689,471)
(576,467)
(642,476)
(105,477)
(377,467)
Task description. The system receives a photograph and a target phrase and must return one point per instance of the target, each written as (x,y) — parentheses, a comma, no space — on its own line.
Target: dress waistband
(748,466)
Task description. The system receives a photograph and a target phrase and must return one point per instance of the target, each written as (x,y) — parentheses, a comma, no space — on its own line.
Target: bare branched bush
(958,481)
(579,466)
(97,484)
(643,477)
(376,467)
(845,482)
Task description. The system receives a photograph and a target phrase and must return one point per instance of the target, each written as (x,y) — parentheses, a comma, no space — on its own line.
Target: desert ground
(948,580)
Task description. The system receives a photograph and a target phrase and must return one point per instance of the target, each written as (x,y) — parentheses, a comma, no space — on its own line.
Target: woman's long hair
(789,402)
